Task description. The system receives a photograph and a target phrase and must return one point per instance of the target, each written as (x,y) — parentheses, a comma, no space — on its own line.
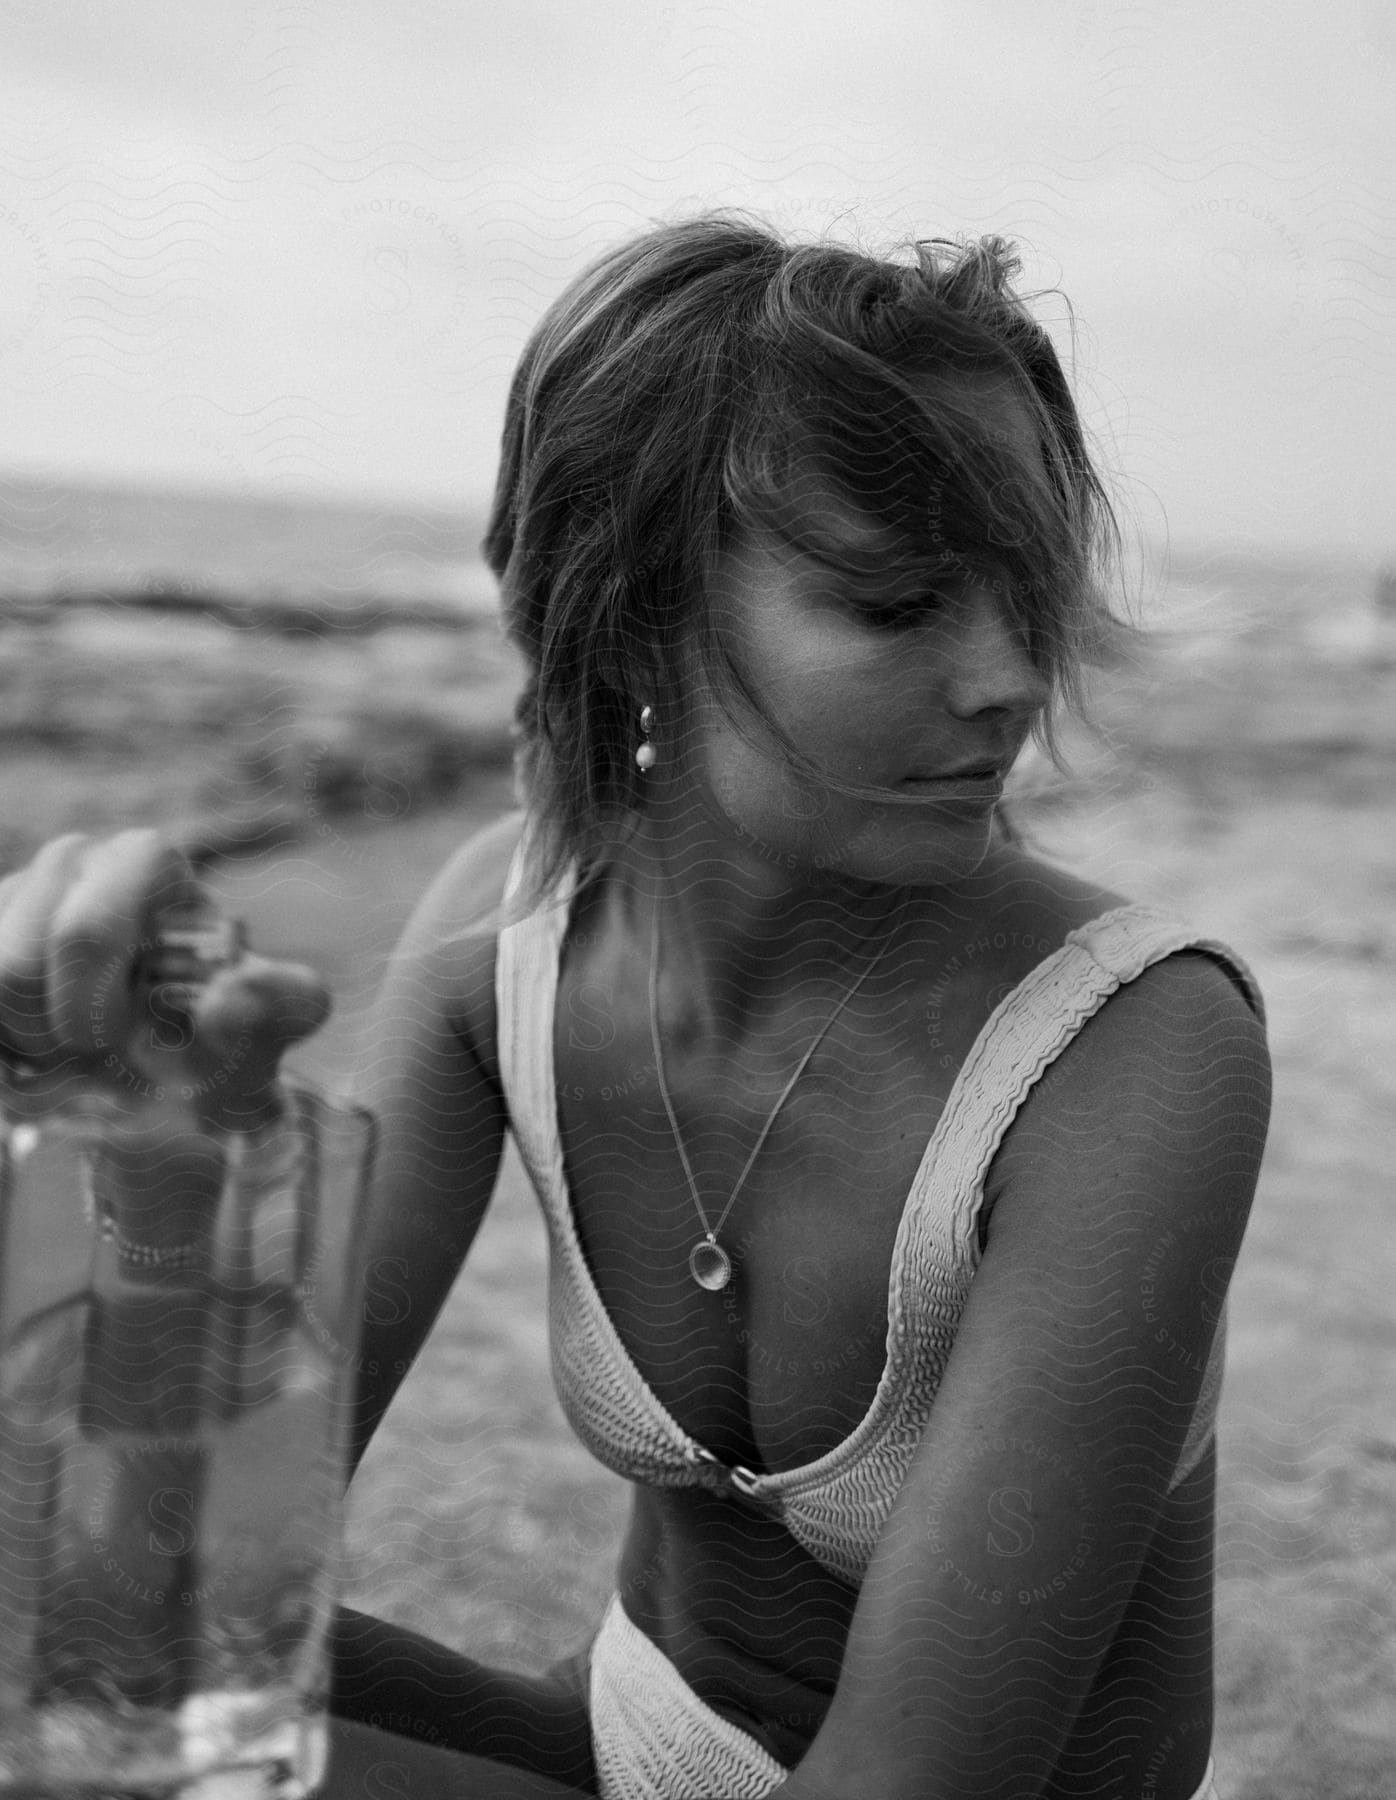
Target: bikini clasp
(723,1477)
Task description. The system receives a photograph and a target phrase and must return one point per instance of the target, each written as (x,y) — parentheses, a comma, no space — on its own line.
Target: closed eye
(897,614)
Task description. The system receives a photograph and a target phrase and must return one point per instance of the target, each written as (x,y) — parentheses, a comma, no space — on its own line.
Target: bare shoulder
(1172,1050)
(1178,1053)
(1186,1005)
(454,930)
(1181,986)
(470,885)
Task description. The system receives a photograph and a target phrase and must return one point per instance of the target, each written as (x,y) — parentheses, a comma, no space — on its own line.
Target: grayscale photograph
(697,900)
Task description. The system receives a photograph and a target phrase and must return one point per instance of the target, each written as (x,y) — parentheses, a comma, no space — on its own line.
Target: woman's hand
(90,1002)
(72,925)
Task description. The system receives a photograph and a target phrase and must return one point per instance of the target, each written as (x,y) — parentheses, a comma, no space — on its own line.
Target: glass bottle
(179,1311)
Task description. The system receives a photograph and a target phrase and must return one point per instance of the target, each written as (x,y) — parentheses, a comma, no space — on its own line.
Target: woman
(894,1176)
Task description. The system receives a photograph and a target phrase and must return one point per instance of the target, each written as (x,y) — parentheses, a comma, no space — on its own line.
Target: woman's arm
(431,1082)
(1006,1565)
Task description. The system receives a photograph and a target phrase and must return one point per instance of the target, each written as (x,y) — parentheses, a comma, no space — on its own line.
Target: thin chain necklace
(708,1263)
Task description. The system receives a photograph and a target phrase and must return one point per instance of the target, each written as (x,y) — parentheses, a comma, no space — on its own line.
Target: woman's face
(887,682)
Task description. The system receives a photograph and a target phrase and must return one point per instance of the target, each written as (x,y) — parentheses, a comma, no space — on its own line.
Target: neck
(738,930)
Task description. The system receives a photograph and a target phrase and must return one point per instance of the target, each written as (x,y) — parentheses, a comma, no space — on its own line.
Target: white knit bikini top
(834,1507)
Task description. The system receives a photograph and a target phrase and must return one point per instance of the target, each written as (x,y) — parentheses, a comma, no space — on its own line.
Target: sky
(297,245)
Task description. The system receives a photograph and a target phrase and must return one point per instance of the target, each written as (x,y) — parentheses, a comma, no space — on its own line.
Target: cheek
(848,702)
(858,720)
(837,699)
(768,801)
(769,804)
(748,779)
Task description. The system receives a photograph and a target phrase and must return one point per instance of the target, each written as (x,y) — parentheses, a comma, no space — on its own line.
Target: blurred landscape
(316,700)
(234,669)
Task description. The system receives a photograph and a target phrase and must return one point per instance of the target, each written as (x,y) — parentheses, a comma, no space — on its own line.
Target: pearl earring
(646,756)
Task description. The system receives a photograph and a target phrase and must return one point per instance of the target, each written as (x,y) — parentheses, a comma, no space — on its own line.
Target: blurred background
(265,270)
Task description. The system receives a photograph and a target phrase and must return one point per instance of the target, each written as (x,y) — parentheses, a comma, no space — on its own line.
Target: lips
(971,772)
(976,793)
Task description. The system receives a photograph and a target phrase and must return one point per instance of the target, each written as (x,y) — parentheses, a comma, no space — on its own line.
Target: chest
(781,1364)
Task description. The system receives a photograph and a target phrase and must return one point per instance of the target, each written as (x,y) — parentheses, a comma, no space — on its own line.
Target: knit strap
(1027,1032)
(523,983)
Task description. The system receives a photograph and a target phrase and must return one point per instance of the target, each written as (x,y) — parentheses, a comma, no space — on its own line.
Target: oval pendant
(710,1265)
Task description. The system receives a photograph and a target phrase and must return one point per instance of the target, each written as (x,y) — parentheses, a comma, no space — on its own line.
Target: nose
(989,669)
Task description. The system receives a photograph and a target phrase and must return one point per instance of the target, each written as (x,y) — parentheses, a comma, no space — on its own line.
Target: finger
(106,917)
(27,905)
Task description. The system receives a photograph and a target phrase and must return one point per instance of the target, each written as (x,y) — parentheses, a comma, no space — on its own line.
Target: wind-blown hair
(704,377)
